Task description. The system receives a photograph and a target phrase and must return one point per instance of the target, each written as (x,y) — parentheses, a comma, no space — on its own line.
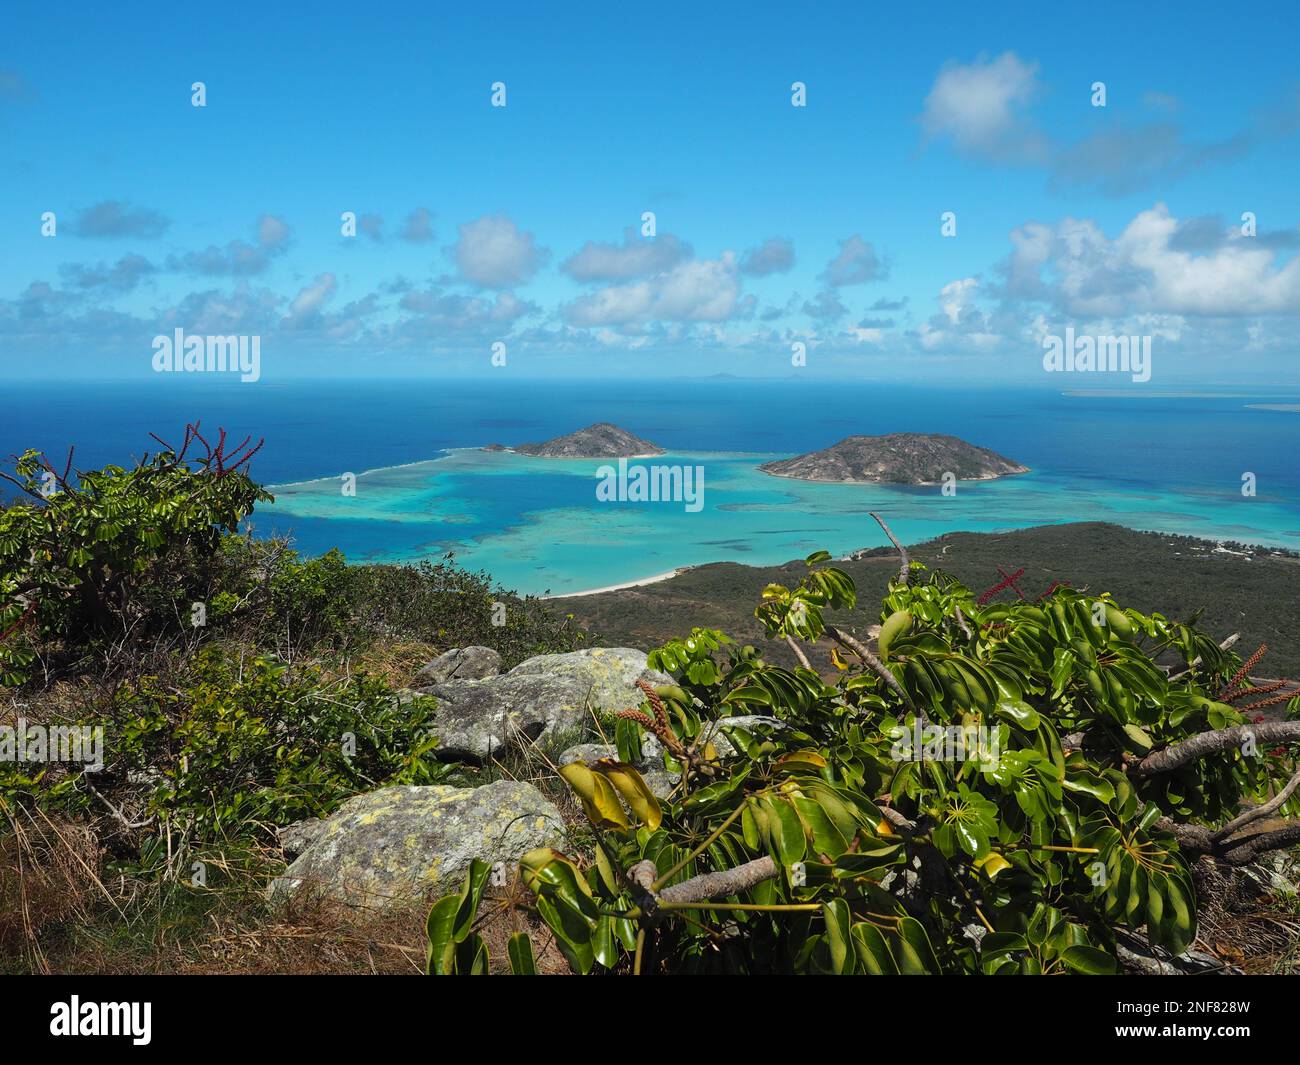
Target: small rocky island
(600,441)
(897,458)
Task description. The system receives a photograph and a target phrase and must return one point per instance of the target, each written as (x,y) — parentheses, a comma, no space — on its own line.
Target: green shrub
(1048,806)
(119,554)
(116,562)
(244,743)
(448,606)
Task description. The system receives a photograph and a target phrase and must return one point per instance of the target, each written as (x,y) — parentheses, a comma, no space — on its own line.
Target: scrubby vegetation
(985,784)
(239,688)
(996,788)
(1238,589)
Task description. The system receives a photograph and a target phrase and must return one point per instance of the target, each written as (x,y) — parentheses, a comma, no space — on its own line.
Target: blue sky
(775,224)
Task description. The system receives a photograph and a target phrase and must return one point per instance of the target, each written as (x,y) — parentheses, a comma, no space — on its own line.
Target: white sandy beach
(618,587)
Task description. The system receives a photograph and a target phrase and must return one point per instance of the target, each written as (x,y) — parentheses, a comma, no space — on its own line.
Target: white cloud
(123,276)
(774,256)
(272,232)
(855,264)
(1077,269)
(311,298)
(418,228)
(635,257)
(238,258)
(702,290)
(115,219)
(980,106)
(960,322)
(493,252)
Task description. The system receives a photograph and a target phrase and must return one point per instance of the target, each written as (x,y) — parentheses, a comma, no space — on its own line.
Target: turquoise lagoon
(537,526)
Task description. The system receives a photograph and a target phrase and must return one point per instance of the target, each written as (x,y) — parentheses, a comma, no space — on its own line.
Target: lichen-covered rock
(477,718)
(462,663)
(588,753)
(297,837)
(408,843)
(609,674)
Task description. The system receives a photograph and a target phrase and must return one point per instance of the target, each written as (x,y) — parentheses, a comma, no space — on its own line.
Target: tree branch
(726,882)
(1217,742)
(873,663)
(904,563)
(798,652)
(1259,811)
(1227,643)
(961,623)
(1195,840)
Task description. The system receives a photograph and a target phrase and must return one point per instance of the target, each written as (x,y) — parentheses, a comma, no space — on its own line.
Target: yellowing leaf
(634,790)
(992,864)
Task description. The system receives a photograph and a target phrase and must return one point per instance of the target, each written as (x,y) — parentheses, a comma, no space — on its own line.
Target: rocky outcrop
(463,663)
(477,719)
(609,674)
(600,441)
(897,458)
(402,844)
(543,696)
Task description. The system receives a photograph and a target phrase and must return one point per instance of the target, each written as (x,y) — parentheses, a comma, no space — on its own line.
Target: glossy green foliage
(980,815)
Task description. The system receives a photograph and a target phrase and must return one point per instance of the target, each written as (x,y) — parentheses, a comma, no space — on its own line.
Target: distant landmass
(599,441)
(897,458)
(1177,575)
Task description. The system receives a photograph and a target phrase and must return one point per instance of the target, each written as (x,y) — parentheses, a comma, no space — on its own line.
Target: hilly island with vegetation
(897,458)
(599,441)
(1069,749)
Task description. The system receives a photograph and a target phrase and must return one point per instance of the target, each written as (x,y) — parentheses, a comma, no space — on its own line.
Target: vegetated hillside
(600,441)
(897,458)
(223,754)
(1252,593)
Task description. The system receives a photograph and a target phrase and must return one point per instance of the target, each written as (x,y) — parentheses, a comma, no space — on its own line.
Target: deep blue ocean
(1174,463)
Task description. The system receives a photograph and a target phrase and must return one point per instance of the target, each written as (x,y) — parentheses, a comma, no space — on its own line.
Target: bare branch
(961,624)
(873,663)
(798,652)
(1275,803)
(896,819)
(904,563)
(1239,850)
(1227,643)
(726,882)
(1208,743)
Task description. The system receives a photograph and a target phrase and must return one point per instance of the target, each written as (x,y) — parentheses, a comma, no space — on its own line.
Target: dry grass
(49,875)
(59,913)
(58,916)
(1245,923)
(394,662)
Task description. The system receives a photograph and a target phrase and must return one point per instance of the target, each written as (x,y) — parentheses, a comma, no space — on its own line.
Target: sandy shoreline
(618,587)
